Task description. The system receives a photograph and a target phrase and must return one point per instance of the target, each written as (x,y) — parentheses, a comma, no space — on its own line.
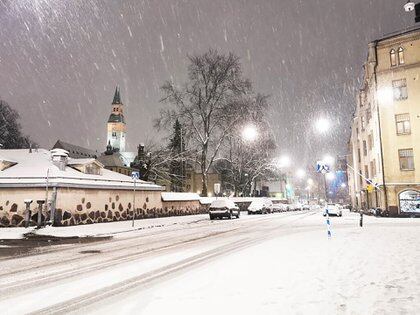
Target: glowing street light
(385,95)
(300,173)
(328,159)
(343,185)
(310,182)
(330,176)
(322,125)
(249,133)
(283,162)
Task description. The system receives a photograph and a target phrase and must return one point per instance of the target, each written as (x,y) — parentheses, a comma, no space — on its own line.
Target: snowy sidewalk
(102,229)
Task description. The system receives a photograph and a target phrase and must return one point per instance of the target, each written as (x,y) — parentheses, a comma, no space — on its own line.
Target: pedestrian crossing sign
(322,167)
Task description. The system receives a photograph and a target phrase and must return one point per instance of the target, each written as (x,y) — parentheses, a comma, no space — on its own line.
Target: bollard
(361,219)
(39,221)
(27,212)
(328,223)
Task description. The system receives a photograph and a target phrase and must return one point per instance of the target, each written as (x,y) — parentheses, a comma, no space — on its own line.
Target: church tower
(116,125)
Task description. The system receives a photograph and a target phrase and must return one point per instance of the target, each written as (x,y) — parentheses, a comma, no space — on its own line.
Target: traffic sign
(135,175)
(322,167)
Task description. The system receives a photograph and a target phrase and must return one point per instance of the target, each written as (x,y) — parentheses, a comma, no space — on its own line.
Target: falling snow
(306,54)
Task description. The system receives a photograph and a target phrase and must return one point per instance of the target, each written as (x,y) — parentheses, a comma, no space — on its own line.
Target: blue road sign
(135,175)
(322,167)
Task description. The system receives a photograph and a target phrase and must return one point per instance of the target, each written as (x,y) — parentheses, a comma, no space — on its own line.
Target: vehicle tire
(238,215)
(249,212)
(211,217)
(229,215)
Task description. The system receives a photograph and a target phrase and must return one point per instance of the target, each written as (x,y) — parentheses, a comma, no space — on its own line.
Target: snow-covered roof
(179,196)
(31,170)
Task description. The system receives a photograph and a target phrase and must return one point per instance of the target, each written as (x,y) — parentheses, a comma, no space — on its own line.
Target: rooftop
(31,170)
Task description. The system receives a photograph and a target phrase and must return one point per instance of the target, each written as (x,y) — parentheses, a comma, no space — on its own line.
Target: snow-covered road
(279,263)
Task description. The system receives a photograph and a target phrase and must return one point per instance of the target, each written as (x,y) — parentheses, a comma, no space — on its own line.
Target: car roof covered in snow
(222,203)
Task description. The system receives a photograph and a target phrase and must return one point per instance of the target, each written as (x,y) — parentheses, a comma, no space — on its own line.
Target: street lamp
(322,125)
(249,133)
(283,162)
(300,173)
(330,176)
(385,95)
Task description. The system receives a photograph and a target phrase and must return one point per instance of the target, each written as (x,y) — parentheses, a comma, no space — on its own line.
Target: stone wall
(183,207)
(86,206)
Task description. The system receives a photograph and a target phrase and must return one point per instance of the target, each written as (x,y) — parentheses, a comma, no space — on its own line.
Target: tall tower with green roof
(116,124)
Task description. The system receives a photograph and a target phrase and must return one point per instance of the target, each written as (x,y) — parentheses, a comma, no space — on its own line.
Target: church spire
(117,98)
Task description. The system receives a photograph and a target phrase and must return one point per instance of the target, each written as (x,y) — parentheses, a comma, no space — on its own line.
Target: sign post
(323,168)
(216,189)
(135,176)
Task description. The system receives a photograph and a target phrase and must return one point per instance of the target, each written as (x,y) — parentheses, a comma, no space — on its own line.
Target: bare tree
(210,105)
(244,162)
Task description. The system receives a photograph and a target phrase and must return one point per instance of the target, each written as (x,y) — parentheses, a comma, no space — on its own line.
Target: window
(393,57)
(370,141)
(401,59)
(114,134)
(368,114)
(399,88)
(357,131)
(363,122)
(402,122)
(366,171)
(373,168)
(364,148)
(359,156)
(406,159)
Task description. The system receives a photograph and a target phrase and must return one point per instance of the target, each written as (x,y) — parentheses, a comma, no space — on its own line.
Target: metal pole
(134,201)
(46,192)
(325,188)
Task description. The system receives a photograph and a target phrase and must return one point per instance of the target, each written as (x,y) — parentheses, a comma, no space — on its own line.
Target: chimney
(59,158)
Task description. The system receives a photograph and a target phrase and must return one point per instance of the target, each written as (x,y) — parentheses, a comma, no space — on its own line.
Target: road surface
(253,264)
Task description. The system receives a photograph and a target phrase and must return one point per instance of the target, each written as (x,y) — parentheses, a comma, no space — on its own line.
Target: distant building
(193,180)
(76,151)
(80,190)
(384,161)
(116,127)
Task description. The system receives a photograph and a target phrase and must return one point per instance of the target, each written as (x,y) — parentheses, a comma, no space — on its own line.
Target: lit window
(401,59)
(402,122)
(393,57)
(399,88)
(363,122)
(406,159)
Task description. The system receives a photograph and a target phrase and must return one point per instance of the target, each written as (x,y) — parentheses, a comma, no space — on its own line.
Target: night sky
(61,60)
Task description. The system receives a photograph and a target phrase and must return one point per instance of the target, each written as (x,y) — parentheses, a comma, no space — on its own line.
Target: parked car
(280,207)
(260,206)
(295,207)
(333,210)
(223,208)
(306,207)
